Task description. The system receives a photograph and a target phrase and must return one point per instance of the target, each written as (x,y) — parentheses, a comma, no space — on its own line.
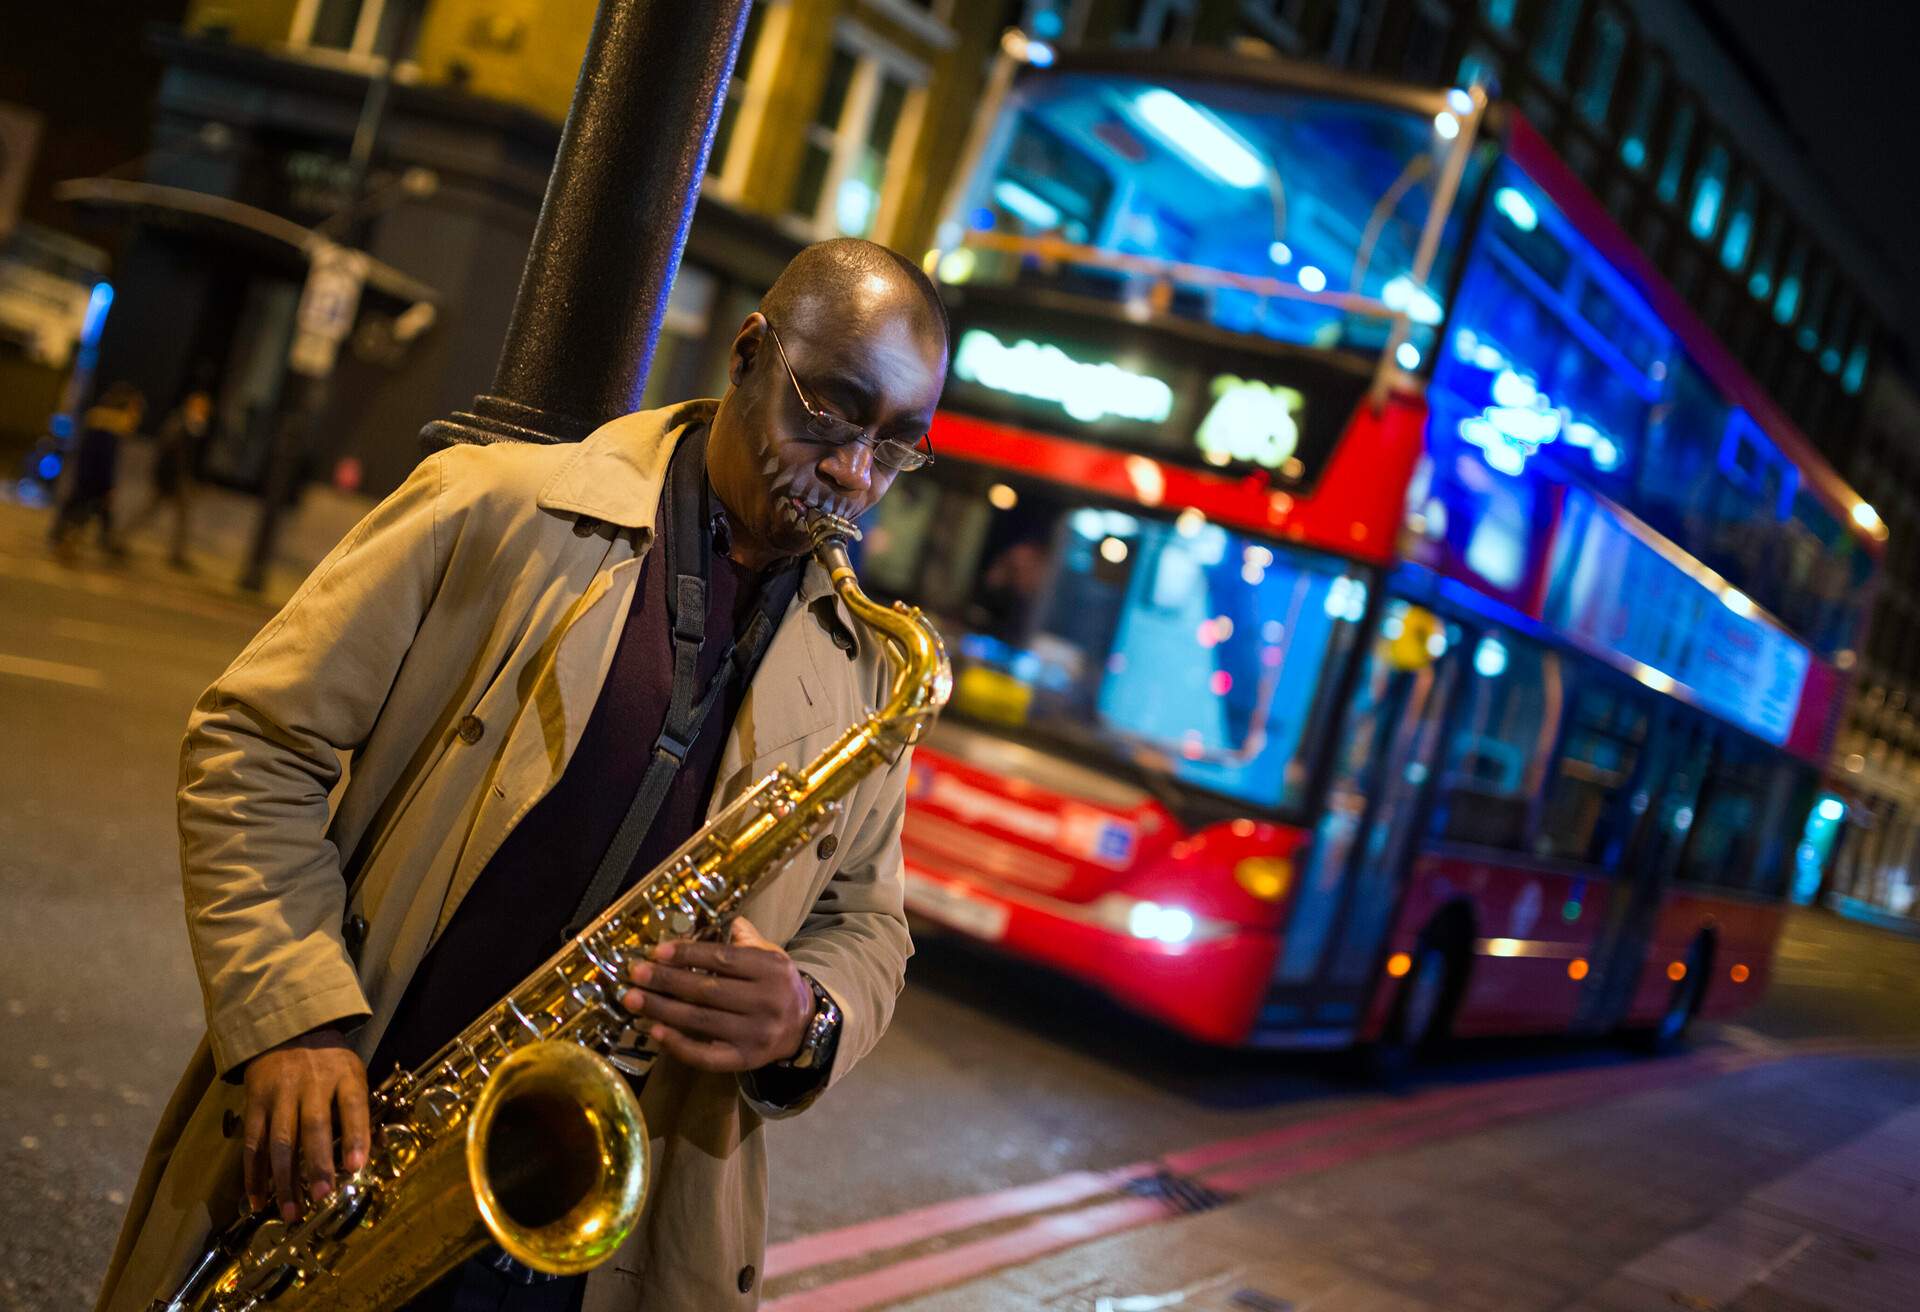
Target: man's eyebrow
(849,385)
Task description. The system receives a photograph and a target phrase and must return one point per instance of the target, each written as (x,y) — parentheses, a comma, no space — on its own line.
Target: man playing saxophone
(546,666)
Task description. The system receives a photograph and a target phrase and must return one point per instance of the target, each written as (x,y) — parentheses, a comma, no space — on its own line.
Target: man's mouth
(800,507)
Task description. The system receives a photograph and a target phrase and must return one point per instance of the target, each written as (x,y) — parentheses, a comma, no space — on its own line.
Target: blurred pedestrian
(96,464)
(176,448)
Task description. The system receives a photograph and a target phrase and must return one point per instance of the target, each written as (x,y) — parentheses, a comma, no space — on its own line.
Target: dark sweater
(512,918)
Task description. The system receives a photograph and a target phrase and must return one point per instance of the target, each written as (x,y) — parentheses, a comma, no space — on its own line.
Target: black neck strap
(687,542)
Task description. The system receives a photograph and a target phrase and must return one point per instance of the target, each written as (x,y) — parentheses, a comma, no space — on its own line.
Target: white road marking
(26,667)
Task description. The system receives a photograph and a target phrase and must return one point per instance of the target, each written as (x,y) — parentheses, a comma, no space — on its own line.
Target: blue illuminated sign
(1518,418)
(1618,593)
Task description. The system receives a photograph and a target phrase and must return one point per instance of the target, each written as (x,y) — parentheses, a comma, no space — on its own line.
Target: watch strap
(822,1028)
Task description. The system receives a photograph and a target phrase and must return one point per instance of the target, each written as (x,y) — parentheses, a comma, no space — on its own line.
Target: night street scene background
(1426,525)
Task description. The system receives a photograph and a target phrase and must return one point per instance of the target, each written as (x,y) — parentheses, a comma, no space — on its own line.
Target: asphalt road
(992,1074)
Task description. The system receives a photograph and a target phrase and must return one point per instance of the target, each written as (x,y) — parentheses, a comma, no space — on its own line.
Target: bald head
(849,332)
(849,279)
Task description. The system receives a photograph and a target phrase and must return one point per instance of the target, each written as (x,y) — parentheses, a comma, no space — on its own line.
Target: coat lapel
(551,722)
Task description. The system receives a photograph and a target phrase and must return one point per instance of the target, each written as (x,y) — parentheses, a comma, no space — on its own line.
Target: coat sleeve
(264,889)
(855,943)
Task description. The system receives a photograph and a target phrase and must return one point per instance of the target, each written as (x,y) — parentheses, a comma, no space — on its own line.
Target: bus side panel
(1743,934)
(1529,927)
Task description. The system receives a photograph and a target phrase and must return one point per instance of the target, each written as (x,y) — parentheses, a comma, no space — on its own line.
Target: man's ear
(747,345)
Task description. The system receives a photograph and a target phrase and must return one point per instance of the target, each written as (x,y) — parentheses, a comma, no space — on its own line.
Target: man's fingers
(690,1018)
(355,1132)
(316,1139)
(735,961)
(717,992)
(746,936)
(253,1167)
(282,1127)
(706,1055)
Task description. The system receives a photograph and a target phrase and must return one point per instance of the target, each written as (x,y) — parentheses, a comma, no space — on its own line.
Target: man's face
(881,371)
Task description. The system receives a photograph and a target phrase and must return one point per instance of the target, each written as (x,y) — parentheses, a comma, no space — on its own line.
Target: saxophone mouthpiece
(825,526)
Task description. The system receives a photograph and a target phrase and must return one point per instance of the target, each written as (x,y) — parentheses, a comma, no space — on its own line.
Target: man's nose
(849,468)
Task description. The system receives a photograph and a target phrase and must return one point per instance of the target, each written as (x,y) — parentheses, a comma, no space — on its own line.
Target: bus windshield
(1284,214)
(1163,644)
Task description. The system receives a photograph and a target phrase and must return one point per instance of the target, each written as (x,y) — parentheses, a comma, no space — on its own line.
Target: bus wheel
(1671,1030)
(1421,1009)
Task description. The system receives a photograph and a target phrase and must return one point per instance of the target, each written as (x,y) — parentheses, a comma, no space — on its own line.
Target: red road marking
(950,1266)
(956,1214)
(808,1251)
(1422,1119)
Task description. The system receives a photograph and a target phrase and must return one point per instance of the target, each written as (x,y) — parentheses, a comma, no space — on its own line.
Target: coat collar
(616,474)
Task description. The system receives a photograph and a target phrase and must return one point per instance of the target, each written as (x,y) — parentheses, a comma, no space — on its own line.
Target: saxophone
(520,1132)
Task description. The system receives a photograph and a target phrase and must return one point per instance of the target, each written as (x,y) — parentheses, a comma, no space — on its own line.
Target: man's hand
(732,1006)
(293,1092)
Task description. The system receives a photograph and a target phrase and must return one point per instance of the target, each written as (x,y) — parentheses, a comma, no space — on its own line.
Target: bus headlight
(1158,922)
(1167,924)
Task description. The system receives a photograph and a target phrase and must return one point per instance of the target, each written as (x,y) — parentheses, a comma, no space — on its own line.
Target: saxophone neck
(922,677)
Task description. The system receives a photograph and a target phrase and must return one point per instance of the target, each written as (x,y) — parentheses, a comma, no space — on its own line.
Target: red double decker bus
(1379,607)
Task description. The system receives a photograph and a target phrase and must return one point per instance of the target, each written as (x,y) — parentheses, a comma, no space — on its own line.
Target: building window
(1554,39)
(1499,14)
(1679,138)
(382,29)
(869,94)
(725,131)
(1760,281)
(1046,19)
(1839,324)
(1709,190)
(1356,29)
(1427,29)
(1278,22)
(1855,376)
(1819,288)
(1479,67)
(1634,142)
(1163,22)
(930,20)
(1739,238)
(1608,44)
(1786,302)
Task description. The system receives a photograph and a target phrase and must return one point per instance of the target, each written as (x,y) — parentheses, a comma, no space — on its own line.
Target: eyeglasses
(832,430)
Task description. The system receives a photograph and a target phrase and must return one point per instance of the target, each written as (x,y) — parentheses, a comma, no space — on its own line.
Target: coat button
(746,1278)
(355,932)
(230,1124)
(827,847)
(471,729)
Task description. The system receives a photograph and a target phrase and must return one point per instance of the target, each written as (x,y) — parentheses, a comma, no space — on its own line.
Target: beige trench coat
(454,644)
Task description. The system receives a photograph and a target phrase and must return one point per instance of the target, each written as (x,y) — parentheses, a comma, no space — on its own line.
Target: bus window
(1502,728)
(1676,478)
(1794,788)
(1110,187)
(1728,830)
(1588,812)
(1171,646)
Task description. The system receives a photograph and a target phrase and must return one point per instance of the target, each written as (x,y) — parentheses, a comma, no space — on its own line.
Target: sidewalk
(222,527)
(1784,1180)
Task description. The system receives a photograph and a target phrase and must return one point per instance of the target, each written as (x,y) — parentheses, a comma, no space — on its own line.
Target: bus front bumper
(1208,986)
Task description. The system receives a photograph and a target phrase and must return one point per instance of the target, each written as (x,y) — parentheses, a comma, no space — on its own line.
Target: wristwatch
(823,1027)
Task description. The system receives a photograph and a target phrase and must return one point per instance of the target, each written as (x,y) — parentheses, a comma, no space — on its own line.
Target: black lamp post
(613,225)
